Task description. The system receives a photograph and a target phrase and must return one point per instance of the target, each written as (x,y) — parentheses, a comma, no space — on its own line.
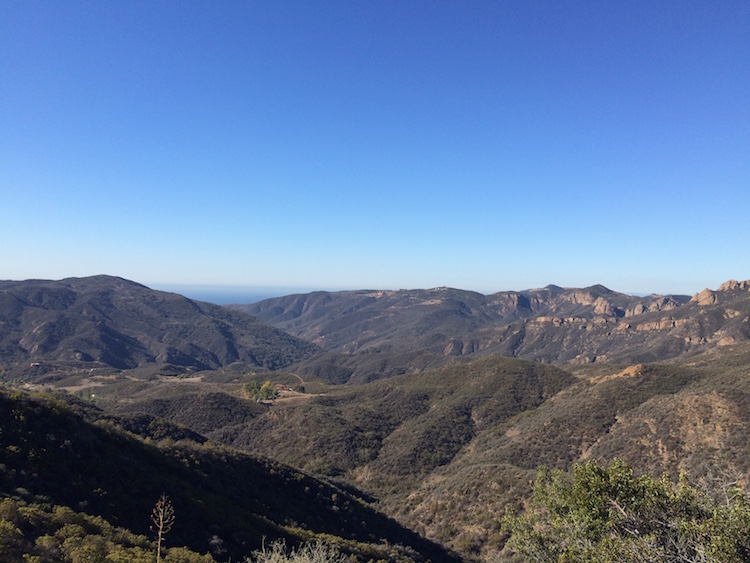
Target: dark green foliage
(607,514)
(45,533)
(369,365)
(557,432)
(200,411)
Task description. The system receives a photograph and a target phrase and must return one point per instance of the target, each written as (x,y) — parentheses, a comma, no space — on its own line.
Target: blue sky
(376,144)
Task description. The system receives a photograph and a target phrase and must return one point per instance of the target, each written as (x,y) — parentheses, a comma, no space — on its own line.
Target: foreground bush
(609,515)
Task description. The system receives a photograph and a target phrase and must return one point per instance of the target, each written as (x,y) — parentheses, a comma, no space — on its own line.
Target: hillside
(106,322)
(79,458)
(572,326)
(396,424)
(446,450)
(388,437)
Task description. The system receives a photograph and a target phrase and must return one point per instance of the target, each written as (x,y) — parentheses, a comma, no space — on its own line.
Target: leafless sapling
(162,518)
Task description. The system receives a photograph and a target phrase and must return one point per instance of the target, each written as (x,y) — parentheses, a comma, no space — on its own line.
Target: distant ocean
(224,295)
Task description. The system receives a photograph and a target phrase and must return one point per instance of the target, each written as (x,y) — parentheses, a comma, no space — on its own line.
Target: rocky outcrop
(708,297)
(581,298)
(658,304)
(662,324)
(705,297)
(604,307)
(731,285)
(663,304)
(550,324)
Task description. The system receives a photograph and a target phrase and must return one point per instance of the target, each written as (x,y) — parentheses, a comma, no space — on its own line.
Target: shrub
(610,515)
(309,553)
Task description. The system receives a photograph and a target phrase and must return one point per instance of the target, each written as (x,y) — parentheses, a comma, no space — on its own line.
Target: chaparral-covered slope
(552,324)
(109,321)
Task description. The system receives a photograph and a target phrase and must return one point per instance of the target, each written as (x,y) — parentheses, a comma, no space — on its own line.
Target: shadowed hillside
(52,454)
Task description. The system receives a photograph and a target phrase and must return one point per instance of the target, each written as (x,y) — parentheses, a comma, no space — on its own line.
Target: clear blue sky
(377,144)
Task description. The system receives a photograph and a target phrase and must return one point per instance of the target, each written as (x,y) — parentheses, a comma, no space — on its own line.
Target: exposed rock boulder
(705,297)
(663,304)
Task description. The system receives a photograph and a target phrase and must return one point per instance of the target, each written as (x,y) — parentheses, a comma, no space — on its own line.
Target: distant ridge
(550,324)
(113,322)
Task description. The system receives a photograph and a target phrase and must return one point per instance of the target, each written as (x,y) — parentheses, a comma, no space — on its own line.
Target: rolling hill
(108,322)
(445,451)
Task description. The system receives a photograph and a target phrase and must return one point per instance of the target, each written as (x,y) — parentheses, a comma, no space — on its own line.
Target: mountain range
(434,407)
(552,325)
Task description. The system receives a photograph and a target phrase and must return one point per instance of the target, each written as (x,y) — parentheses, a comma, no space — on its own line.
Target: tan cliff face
(605,308)
(581,298)
(662,324)
(659,304)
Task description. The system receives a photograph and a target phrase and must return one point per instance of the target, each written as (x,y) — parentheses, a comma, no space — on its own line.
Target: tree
(162,518)
(265,392)
(610,515)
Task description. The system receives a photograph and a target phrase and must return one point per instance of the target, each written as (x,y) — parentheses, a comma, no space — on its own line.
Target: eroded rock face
(708,297)
(658,304)
(637,310)
(604,307)
(547,324)
(705,297)
(663,304)
(731,285)
(582,298)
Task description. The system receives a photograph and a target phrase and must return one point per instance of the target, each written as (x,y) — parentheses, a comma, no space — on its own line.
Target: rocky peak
(731,285)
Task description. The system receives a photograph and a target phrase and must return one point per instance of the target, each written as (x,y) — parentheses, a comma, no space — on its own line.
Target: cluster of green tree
(610,515)
(257,392)
(45,533)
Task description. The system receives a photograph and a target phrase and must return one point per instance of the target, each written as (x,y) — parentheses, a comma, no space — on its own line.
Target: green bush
(610,515)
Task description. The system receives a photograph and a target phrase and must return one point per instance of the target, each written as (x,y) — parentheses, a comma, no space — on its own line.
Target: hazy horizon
(226,295)
(245,294)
